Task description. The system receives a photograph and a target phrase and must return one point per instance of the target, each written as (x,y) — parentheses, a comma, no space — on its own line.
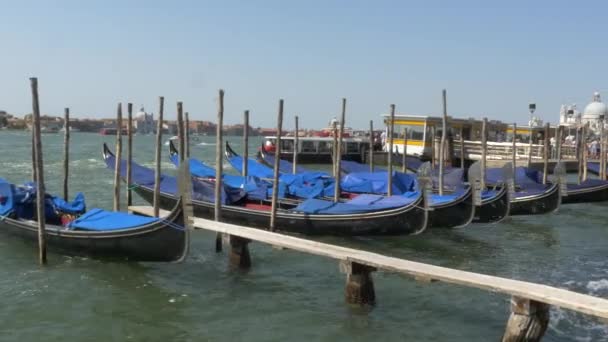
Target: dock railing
(530,302)
(504,150)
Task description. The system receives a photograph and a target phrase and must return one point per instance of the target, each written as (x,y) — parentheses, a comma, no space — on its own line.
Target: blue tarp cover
(6,197)
(284,165)
(101,220)
(360,204)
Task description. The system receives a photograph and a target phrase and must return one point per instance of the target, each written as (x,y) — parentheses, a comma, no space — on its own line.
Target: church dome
(596,109)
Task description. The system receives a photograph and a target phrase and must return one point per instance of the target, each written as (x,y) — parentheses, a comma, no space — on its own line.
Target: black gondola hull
(406,220)
(544,203)
(454,214)
(153,242)
(493,210)
(592,194)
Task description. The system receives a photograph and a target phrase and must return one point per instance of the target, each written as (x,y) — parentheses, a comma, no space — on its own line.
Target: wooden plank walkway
(540,293)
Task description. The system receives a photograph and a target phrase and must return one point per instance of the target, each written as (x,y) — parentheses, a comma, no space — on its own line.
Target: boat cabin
(318,150)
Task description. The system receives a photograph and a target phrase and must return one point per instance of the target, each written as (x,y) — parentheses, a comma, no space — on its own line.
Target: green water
(286,295)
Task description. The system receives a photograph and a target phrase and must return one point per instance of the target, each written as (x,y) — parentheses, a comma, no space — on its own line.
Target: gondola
(529,197)
(453,210)
(410,218)
(102,234)
(590,190)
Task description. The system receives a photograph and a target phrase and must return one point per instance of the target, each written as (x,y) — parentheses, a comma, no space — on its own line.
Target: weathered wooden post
(530,146)
(404,157)
(294,165)
(389,174)
(444,120)
(602,151)
(66,152)
(558,143)
(433,156)
(39,172)
(334,148)
(585,150)
(528,321)
(514,154)
(579,156)
(461,147)
(180,132)
(484,151)
(117,165)
(219,141)
(277,159)
(546,154)
(159,143)
(359,288)
(337,189)
(187,134)
(129,153)
(245,143)
(371,145)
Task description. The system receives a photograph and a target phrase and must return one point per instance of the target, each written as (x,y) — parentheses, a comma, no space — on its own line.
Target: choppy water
(286,295)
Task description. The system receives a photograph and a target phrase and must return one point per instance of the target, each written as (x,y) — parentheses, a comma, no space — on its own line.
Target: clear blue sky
(492,57)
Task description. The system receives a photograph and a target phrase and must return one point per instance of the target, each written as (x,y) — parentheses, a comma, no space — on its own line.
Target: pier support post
(245,143)
(462,146)
(528,321)
(371,145)
(159,142)
(219,141)
(239,252)
(277,159)
(391,131)
(66,152)
(359,284)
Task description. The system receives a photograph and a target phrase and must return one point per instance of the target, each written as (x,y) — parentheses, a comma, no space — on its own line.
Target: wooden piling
(371,145)
(334,148)
(117,165)
(180,132)
(546,154)
(433,156)
(404,156)
(245,171)
(389,174)
(444,125)
(129,153)
(558,143)
(359,284)
(585,150)
(219,141)
(187,133)
(159,144)
(514,154)
(239,252)
(579,156)
(484,152)
(530,145)
(602,151)
(39,172)
(337,190)
(277,159)
(296,143)
(528,321)
(461,147)
(66,152)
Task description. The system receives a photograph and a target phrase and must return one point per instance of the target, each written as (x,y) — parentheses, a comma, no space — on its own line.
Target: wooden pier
(529,301)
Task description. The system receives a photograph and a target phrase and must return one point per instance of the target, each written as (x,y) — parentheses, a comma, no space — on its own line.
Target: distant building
(594,114)
(143,123)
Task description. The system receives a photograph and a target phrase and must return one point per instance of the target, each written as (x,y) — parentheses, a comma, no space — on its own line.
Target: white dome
(596,108)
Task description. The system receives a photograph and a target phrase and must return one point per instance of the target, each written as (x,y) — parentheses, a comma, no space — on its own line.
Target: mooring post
(602,152)
(129,153)
(579,157)
(514,154)
(359,284)
(33,140)
(277,159)
(66,152)
(185,190)
(187,133)
(159,143)
(219,141)
(296,143)
(585,150)
(180,132)
(117,165)
(404,157)
(389,174)
(39,172)
(462,146)
(444,120)
(371,145)
(245,171)
(528,321)
(558,143)
(530,145)
(433,156)
(337,189)
(484,152)
(334,148)
(546,154)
